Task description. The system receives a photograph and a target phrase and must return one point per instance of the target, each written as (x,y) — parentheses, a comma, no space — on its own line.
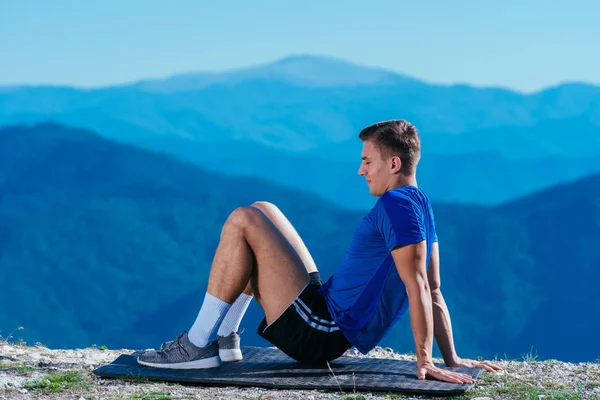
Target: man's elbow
(418,287)
(435,287)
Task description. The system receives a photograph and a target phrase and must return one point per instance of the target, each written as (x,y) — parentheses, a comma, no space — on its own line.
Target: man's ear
(396,164)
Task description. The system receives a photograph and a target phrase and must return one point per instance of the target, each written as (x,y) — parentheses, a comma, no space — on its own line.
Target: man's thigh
(279,275)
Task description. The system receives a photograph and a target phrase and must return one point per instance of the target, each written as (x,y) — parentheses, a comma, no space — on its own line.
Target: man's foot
(182,354)
(229,347)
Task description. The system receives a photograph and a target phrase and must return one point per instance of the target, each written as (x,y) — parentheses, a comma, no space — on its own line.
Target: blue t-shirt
(366,296)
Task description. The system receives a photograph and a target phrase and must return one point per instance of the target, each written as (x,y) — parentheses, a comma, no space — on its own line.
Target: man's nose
(360,171)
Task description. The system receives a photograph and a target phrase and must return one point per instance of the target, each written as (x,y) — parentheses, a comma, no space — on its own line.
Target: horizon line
(271,62)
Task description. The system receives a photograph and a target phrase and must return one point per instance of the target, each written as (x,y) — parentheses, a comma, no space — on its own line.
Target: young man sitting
(392,266)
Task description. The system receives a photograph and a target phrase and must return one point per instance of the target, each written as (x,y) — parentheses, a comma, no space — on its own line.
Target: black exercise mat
(271,368)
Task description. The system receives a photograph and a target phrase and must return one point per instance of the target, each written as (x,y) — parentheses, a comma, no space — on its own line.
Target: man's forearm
(443,327)
(421,319)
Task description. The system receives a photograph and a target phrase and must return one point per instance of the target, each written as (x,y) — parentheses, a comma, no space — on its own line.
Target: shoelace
(177,344)
(180,346)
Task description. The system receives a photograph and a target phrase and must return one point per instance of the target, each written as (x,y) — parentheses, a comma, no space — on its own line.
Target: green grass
(151,396)
(59,382)
(20,368)
(530,357)
(135,379)
(521,391)
(592,385)
(518,390)
(5,340)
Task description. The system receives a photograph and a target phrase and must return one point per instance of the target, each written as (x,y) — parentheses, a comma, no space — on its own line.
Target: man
(392,265)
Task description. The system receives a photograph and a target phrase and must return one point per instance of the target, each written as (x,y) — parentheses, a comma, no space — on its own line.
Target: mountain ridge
(300,59)
(301,70)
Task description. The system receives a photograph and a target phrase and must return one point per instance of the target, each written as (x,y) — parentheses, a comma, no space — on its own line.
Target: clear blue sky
(520,44)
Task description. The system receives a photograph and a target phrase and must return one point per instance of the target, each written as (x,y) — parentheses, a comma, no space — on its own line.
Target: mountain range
(295,122)
(102,242)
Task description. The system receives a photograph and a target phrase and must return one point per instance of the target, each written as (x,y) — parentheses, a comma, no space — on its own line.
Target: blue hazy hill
(105,243)
(474,178)
(308,110)
(301,70)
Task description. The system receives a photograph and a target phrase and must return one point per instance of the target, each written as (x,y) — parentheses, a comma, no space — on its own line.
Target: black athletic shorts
(305,331)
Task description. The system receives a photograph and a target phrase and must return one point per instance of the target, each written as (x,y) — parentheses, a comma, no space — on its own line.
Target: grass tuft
(59,382)
(151,396)
(23,369)
(135,379)
(20,368)
(2,340)
(530,357)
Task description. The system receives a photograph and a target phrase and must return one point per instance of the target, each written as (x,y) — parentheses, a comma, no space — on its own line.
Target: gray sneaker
(182,354)
(229,347)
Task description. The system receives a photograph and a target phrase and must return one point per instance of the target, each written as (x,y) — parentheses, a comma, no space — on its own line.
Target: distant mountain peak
(324,61)
(301,69)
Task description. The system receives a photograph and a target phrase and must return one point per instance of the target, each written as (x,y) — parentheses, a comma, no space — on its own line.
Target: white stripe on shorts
(313,320)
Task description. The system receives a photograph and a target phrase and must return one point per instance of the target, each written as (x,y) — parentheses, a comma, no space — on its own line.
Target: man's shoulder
(402,196)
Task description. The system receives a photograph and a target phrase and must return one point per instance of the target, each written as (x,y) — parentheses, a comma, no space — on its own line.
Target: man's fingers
(462,379)
(453,377)
(490,367)
(444,375)
(466,377)
(462,376)
(447,377)
(487,367)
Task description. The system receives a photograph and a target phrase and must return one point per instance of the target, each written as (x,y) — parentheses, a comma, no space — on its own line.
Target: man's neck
(410,180)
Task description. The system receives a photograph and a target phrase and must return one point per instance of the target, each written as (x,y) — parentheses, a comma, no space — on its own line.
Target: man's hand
(430,371)
(465,363)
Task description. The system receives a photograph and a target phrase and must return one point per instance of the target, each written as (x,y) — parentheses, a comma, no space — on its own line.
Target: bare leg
(236,313)
(253,257)
(253,249)
(288,231)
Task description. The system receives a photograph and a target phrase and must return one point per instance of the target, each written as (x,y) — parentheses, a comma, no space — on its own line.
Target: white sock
(209,319)
(232,320)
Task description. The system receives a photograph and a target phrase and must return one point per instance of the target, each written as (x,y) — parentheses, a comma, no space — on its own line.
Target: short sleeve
(434,237)
(401,221)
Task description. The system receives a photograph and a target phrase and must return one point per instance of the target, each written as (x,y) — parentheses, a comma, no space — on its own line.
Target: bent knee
(265,206)
(242,217)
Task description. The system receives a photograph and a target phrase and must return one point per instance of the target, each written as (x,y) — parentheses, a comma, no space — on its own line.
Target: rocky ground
(32,372)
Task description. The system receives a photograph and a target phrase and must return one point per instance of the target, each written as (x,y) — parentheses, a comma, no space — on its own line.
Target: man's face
(376,171)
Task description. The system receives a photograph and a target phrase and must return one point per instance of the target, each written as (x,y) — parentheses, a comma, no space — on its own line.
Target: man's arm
(441,320)
(410,262)
(441,316)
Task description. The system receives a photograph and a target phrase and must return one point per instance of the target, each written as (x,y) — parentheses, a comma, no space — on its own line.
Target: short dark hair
(395,138)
